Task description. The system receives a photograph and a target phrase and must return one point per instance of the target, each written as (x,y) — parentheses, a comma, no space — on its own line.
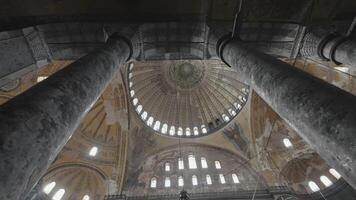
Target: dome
(185,98)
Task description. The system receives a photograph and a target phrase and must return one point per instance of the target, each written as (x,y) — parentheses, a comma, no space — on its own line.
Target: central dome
(185,98)
(186,75)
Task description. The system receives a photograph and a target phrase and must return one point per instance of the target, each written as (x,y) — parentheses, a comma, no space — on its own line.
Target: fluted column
(329,45)
(324,115)
(35,125)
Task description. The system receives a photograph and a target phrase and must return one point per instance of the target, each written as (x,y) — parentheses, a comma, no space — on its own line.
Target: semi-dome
(185,98)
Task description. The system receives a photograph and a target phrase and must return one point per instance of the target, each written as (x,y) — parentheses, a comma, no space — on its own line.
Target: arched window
(132,93)
(41,78)
(222,179)
(130,75)
(335,173)
(157,126)
(235,179)
(241,98)
(139,109)
(187,132)
(191,161)
(131,66)
(326,181)
(167,182)
(93,151)
(225,118)
(49,187)
(86,197)
(203,129)
(135,101)
(313,186)
(194,180)
(287,143)
(208,179)
(180,131)
(150,121)
(195,131)
(180,181)
(237,106)
(130,84)
(164,128)
(59,194)
(217,165)
(204,164)
(180,163)
(144,115)
(232,112)
(167,167)
(172,130)
(153,182)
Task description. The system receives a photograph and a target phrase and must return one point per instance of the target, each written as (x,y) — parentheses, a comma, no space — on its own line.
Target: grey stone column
(324,115)
(35,125)
(329,45)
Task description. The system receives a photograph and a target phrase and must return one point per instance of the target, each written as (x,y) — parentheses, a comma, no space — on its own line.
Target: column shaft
(324,115)
(35,125)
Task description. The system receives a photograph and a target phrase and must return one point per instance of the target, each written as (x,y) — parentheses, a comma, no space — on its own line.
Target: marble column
(35,125)
(324,115)
(328,45)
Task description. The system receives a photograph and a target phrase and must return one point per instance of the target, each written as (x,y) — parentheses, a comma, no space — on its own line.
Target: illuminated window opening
(235,179)
(49,187)
(180,181)
(93,151)
(131,65)
(150,121)
(237,105)
(208,179)
(187,132)
(144,115)
(180,131)
(326,181)
(41,78)
(153,182)
(313,186)
(86,197)
(139,109)
(130,75)
(172,130)
(287,143)
(225,118)
(130,84)
(203,129)
(180,163)
(59,194)
(132,93)
(232,112)
(157,125)
(167,167)
(191,162)
(195,131)
(222,179)
(135,101)
(335,173)
(167,182)
(164,128)
(217,165)
(204,164)
(194,180)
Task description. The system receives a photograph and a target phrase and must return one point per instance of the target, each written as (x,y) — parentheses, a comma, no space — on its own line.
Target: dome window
(326,181)
(144,115)
(132,93)
(157,125)
(49,187)
(225,118)
(195,131)
(235,179)
(232,112)
(150,121)
(335,173)
(180,131)
(130,75)
(164,128)
(287,143)
(139,109)
(187,132)
(86,197)
(131,65)
(135,101)
(93,151)
(59,194)
(172,130)
(130,84)
(153,182)
(203,129)
(313,186)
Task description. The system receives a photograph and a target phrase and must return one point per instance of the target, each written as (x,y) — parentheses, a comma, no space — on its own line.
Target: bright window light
(287,143)
(49,187)
(59,194)
(153,182)
(130,75)
(180,163)
(172,130)
(167,182)
(187,132)
(93,151)
(191,161)
(208,179)
(150,121)
(195,131)
(217,165)
(203,129)
(180,131)
(144,115)
(232,112)
(167,167)
(41,78)
(157,125)
(132,93)
(235,179)
(222,179)
(135,101)
(139,108)
(326,181)
(180,181)
(335,173)
(86,197)
(131,65)
(194,180)
(204,164)
(164,128)
(313,186)
(225,118)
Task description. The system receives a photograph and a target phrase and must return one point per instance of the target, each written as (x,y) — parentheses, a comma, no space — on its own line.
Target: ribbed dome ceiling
(185,98)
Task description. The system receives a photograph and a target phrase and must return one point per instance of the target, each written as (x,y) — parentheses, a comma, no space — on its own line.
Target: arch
(153,182)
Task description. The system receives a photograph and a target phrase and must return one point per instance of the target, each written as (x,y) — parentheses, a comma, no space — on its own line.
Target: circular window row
(214,112)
